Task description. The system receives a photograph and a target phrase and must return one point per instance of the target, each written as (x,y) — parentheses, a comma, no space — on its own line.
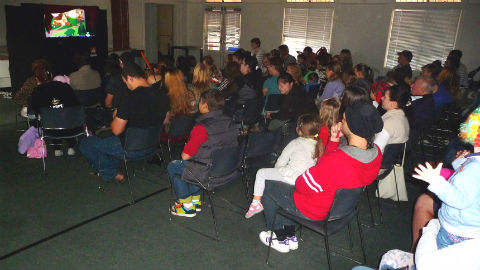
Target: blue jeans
(445,239)
(105,154)
(183,189)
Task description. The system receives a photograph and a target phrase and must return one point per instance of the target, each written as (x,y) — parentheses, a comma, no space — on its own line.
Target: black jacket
(294,104)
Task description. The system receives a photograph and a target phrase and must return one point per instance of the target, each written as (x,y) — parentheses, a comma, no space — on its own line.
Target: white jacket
(464,255)
(296,158)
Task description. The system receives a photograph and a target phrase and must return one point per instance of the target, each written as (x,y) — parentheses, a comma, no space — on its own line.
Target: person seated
(116,89)
(296,72)
(145,107)
(285,55)
(294,103)
(229,86)
(182,101)
(21,96)
(200,80)
(363,77)
(299,155)
(270,86)
(395,123)
(335,86)
(447,90)
(85,78)
(459,212)
(155,75)
(428,204)
(56,95)
(214,130)
(312,82)
(351,166)
(421,111)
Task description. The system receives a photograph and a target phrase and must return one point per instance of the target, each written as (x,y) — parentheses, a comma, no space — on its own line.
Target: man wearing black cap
(403,71)
(351,166)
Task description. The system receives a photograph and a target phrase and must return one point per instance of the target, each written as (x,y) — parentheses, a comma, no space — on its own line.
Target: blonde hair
(329,116)
(449,77)
(180,96)
(296,73)
(201,80)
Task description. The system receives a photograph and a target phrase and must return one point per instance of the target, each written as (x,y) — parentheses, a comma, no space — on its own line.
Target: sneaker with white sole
(254,209)
(280,246)
(198,205)
(292,242)
(178,209)
(58,153)
(71,151)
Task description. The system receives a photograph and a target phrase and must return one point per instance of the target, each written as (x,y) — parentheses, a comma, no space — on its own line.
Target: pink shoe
(254,209)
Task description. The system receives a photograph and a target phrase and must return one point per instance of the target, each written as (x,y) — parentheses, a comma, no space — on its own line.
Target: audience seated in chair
(335,85)
(294,103)
(351,166)
(145,107)
(214,130)
(85,78)
(116,90)
(55,95)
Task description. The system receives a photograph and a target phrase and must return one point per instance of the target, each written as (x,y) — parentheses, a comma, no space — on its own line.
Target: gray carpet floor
(83,226)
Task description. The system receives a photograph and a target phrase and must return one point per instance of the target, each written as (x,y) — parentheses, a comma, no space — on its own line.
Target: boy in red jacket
(350,166)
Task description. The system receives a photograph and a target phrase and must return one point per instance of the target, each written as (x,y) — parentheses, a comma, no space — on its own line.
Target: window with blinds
(428,34)
(307,27)
(222,29)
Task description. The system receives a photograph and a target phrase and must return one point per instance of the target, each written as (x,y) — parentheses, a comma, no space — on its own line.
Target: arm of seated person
(109,101)
(118,125)
(198,135)
(381,139)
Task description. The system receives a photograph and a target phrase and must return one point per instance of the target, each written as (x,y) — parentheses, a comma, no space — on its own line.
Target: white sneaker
(71,151)
(292,242)
(280,246)
(58,153)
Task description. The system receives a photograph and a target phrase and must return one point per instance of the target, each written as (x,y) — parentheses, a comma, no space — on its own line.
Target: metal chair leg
(379,203)
(132,199)
(396,185)
(271,238)
(245,183)
(213,215)
(361,239)
(370,205)
(327,249)
(43,156)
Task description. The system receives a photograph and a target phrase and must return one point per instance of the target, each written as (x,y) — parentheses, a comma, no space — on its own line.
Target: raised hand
(428,173)
(336,132)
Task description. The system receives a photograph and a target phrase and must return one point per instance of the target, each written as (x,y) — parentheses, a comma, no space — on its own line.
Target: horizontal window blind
(307,27)
(428,34)
(232,29)
(213,29)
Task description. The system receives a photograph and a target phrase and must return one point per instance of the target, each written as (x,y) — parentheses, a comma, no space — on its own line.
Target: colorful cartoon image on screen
(68,24)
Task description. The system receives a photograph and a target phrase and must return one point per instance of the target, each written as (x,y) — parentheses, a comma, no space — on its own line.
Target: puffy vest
(221,133)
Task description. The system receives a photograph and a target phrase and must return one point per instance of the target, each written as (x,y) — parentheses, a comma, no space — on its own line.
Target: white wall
(102,4)
(359,25)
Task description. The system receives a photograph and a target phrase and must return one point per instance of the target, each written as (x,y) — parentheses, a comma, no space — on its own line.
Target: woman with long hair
(296,72)
(335,86)
(181,99)
(448,79)
(363,76)
(201,80)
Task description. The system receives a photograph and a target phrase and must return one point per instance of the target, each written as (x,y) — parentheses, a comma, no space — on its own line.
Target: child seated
(297,156)
(459,214)
(312,82)
(214,130)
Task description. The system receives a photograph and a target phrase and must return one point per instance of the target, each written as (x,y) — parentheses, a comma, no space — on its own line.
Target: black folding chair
(393,155)
(342,212)
(136,140)
(225,162)
(178,132)
(272,104)
(61,123)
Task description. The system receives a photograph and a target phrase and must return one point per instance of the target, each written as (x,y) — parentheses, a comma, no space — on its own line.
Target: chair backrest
(181,126)
(259,144)
(62,118)
(89,97)
(139,139)
(393,154)
(273,102)
(225,161)
(344,203)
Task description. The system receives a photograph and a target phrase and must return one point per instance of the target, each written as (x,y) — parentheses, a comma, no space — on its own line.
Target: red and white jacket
(316,187)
